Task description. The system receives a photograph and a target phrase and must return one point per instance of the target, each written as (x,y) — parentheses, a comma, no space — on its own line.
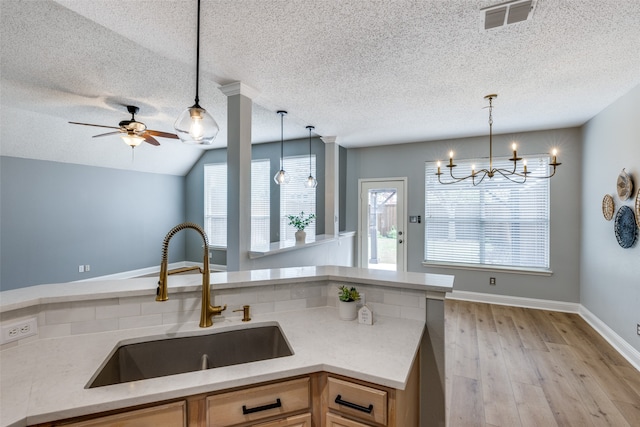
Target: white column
(239,104)
(332,188)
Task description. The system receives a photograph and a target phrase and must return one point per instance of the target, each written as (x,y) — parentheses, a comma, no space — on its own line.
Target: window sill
(292,245)
(492,268)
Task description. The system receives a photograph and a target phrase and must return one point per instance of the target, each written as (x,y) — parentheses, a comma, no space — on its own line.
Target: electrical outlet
(81,269)
(87,267)
(492,281)
(19,330)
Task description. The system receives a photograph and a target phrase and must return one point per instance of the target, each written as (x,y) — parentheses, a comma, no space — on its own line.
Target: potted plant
(347,302)
(300,222)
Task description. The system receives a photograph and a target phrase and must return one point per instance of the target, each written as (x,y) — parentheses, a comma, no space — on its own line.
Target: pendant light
(281,177)
(195,125)
(311,182)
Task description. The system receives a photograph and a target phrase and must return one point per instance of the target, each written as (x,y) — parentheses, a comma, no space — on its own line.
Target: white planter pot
(301,236)
(348,310)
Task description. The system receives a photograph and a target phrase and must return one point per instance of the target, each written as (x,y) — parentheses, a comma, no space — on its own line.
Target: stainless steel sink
(158,358)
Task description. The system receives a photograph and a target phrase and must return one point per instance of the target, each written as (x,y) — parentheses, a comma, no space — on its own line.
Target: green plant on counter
(299,221)
(348,294)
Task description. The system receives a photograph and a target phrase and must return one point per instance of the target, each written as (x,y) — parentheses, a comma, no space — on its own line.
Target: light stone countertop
(103,289)
(45,380)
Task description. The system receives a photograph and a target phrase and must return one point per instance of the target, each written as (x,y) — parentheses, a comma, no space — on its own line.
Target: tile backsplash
(99,315)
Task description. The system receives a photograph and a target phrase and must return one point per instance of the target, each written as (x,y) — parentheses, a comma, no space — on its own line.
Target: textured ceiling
(367,72)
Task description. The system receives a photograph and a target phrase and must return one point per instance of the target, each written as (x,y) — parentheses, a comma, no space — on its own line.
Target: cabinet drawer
(334,420)
(303,420)
(255,403)
(356,400)
(169,415)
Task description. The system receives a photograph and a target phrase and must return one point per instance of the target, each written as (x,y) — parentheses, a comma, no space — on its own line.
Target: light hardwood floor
(511,366)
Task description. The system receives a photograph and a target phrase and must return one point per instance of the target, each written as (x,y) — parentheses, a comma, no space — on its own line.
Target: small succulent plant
(348,294)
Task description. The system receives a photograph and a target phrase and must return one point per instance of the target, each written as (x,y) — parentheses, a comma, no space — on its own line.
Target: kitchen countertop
(45,380)
(103,289)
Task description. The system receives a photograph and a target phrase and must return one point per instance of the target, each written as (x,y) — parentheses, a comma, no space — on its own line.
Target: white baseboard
(540,304)
(617,342)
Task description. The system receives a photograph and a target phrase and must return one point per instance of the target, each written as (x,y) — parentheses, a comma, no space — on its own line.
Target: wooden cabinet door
(337,421)
(303,420)
(169,415)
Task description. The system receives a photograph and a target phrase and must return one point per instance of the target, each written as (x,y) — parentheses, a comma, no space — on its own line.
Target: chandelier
(514,175)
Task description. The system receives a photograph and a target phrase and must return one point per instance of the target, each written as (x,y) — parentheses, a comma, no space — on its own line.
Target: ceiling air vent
(506,13)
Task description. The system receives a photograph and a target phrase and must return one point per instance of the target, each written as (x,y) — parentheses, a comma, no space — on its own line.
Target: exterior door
(381,238)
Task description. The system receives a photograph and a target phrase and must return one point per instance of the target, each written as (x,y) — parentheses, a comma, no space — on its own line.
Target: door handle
(399,233)
(400,241)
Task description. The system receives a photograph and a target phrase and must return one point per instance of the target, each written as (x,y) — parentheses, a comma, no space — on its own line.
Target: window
(295,197)
(497,223)
(215,205)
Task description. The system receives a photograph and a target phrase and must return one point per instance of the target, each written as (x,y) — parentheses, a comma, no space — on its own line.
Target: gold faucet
(207,311)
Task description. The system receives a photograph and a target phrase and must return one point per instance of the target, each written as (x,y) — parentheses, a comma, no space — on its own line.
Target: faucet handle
(245,313)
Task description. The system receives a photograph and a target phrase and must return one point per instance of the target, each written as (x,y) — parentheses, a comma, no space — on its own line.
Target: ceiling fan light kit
(513,175)
(132,132)
(195,125)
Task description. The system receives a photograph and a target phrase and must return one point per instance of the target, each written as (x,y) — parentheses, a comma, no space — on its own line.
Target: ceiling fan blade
(98,126)
(151,140)
(107,134)
(162,134)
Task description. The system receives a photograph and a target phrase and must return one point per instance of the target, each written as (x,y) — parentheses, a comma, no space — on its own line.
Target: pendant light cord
(281,140)
(197,100)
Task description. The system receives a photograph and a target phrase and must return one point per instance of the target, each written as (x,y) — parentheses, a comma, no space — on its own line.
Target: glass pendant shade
(196,126)
(311,182)
(131,139)
(281,177)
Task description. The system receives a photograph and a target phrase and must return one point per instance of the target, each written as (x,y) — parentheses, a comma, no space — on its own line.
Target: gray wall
(610,275)
(56,216)
(195,188)
(408,160)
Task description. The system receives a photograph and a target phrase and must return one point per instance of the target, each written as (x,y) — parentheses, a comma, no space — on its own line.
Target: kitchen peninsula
(44,378)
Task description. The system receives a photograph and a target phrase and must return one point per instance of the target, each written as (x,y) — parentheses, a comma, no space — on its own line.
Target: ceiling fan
(132,131)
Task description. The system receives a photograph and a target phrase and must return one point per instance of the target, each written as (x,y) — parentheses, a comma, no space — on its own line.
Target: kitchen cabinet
(258,403)
(167,415)
(303,420)
(333,420)
(316,400)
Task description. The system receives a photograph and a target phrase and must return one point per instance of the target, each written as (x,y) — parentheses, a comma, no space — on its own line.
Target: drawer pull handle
(366,409)
(246,411)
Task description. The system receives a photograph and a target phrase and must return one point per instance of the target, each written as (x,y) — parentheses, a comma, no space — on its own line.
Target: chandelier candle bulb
(438,163)
(555,153)
(524,163)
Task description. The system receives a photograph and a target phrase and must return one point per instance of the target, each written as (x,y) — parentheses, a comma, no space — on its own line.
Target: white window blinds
(498,222)
(215,202)
(260,202)
(295,197)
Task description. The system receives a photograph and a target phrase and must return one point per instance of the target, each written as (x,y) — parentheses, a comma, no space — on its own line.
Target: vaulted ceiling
(366,71)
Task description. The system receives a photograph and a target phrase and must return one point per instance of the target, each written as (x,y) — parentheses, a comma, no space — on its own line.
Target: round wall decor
(625,185)
(638,208)
(608,207)
(625,227)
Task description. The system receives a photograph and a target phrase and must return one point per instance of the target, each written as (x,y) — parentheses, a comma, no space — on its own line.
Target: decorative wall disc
(625,185)
(638,209)
(608,207)
(625,227)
